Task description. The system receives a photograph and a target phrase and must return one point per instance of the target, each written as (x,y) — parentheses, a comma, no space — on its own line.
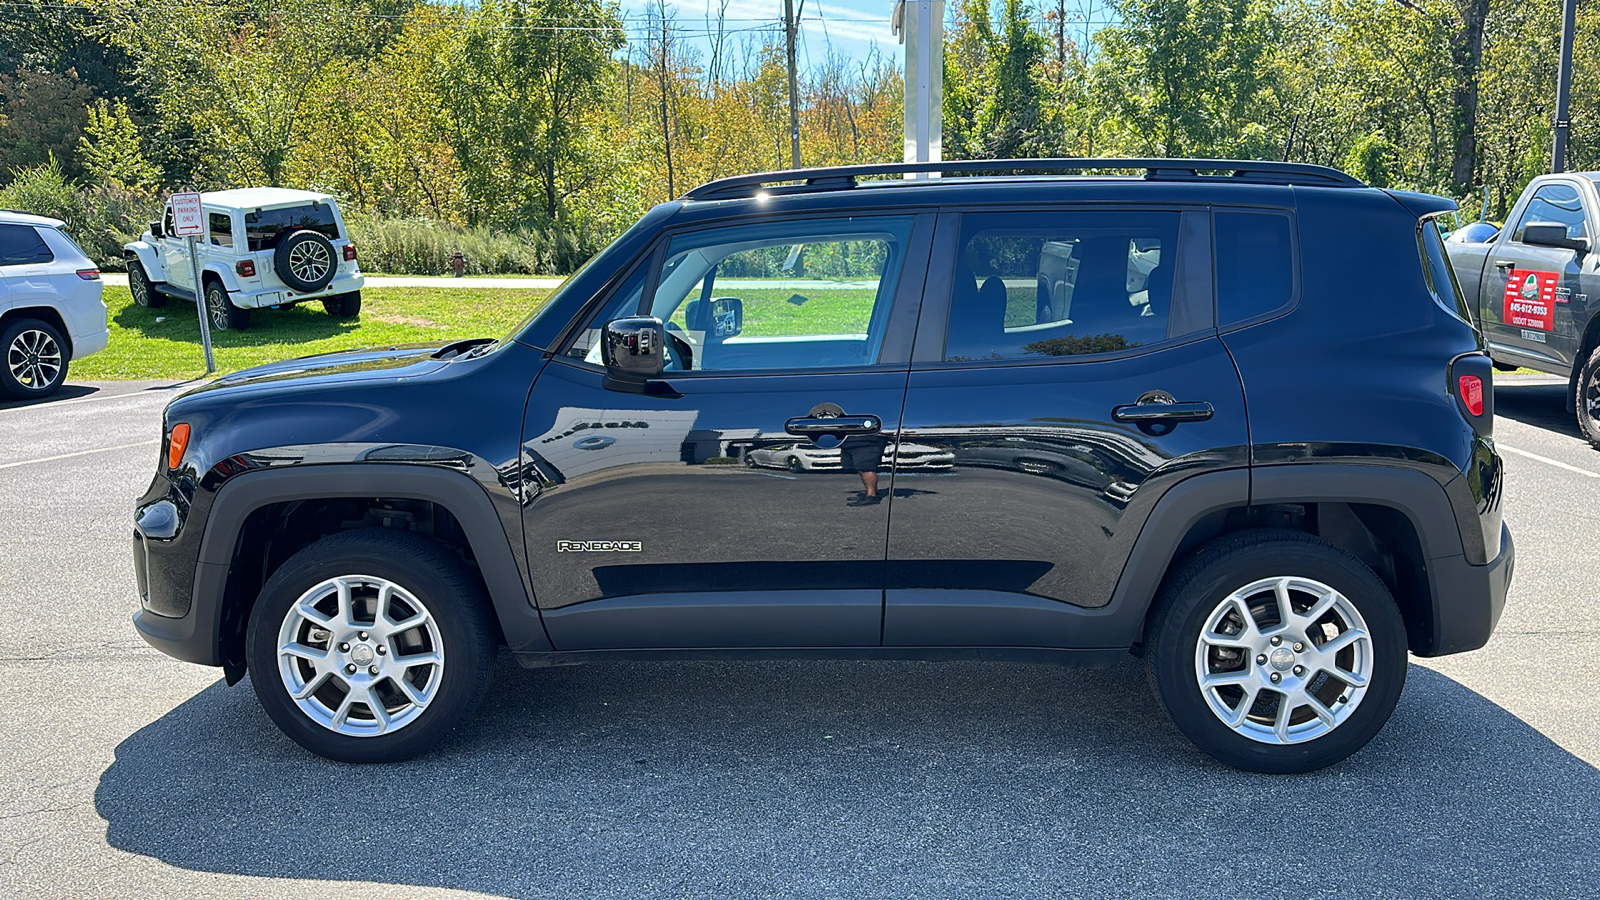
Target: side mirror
(634,350)
(727,318)
(156,229)
(1548,234)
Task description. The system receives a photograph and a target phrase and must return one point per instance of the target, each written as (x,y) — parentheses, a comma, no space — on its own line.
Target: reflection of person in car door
(863,454)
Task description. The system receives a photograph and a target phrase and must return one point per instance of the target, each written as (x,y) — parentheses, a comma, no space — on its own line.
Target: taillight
(177,442)
(1471,390)
(89,274)
(246,268)
(349,252)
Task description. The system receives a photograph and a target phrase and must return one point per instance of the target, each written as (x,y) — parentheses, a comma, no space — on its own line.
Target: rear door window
(21,245)
(221,229)
(1061,284)
(263,226)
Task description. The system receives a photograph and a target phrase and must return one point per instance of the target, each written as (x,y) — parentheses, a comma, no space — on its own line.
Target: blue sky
(851,27)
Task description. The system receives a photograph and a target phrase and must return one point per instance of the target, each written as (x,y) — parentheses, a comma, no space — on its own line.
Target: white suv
(50,307)
(264,248)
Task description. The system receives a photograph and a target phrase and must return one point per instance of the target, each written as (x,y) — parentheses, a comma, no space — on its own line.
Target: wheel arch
(1591,340)
(47,314)
(260,519)
(1397,521)
(146,256)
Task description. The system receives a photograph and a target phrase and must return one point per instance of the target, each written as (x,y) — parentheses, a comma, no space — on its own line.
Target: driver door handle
(1503,263)
(807,426)
(1179,411)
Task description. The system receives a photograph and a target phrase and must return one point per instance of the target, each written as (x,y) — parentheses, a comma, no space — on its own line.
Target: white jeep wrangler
(264,248)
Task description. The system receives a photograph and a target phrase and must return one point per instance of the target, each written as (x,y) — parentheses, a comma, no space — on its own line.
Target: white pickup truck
(264,248)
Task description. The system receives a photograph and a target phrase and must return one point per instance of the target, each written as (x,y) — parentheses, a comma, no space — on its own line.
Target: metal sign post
(188,222)
(920,26)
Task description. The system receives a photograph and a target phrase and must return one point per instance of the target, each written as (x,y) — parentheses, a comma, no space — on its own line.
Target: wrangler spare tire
(305,261)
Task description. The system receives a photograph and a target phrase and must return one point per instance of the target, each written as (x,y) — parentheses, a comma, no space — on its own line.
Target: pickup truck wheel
(224,315)
(370,645)
(1589,399)
(35,359)
(1275,651)
(343,306)
(139,286)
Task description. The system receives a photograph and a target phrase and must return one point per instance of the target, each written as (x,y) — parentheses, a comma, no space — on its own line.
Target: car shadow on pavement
(861,779)
(65,392)
(1540,405)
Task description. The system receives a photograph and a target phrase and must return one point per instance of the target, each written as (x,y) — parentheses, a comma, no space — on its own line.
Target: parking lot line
(1554,462)
(45,459)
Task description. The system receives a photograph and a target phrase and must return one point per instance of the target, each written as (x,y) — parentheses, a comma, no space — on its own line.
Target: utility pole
(790,27)
(1558,146)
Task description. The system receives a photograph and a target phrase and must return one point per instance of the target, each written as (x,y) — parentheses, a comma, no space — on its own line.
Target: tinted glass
(797,295)
(262,228)
(1436,270)
(22,245)
(1555,203)
(623,302)
(1255,264)
(1060,284)
(221,229)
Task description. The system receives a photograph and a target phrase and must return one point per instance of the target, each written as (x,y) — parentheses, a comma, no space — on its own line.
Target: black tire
(343,306)
(453,598)
(1199,588)
(220,309)
(794,464)
(144,293)
(305,261)
(33,359)
(1588,399)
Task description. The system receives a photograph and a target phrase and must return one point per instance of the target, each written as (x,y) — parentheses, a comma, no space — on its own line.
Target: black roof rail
(838,178)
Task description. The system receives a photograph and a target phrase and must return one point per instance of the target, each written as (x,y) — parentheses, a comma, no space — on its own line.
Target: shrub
(100,219)
(424,247)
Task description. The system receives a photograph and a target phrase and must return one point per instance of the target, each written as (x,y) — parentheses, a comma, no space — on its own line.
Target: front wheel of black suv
(1588,398)
(370,645)
(1275,651)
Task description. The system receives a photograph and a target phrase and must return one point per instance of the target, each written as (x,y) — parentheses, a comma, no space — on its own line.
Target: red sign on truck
(1531,299)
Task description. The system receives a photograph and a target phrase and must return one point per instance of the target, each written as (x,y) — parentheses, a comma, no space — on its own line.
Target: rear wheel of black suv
(1275,651)
(370,645)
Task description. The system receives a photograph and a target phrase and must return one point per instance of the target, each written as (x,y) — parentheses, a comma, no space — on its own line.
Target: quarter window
(1555,203)
(21,245)
(1255,264)
(221,229)
(1066,284)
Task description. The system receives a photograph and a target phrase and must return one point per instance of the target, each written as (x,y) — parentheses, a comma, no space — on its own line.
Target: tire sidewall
(467,650)
(280,260)
(139,286)
(8,383)
(1173,662)
(1587,425)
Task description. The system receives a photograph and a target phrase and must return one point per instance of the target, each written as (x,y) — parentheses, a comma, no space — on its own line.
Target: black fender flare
(455,491)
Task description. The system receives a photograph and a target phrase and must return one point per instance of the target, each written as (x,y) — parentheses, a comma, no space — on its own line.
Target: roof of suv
(15,217)
(262,197)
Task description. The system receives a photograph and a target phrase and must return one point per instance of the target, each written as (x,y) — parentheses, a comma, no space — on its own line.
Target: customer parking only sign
(1531,300)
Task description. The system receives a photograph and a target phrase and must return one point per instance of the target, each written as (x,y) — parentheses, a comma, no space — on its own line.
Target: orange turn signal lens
(177,443)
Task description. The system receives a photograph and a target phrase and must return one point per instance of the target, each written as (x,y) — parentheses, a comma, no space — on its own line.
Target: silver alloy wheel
(1284,660)
(217,306)
(138,287)
(360,655)
(309,261)
(34,359)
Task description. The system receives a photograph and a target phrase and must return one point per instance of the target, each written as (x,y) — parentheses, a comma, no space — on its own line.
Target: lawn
(165,343)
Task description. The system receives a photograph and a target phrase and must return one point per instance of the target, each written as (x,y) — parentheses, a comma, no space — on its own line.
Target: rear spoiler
(1423,206)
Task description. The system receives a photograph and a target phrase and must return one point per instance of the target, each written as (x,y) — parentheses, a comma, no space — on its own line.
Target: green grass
(142,347)
(775,312)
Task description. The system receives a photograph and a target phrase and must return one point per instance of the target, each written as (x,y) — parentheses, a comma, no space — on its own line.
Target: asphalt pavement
(127,774)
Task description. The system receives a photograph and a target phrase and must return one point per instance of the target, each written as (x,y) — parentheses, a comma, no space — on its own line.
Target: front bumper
(169,572)
(1468,599)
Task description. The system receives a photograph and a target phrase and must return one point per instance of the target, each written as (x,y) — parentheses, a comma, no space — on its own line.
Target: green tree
(41,116)
(997,100)
(524,96)
(110,151)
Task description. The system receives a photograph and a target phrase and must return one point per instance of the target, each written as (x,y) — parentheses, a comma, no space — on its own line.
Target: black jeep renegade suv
(1231,417)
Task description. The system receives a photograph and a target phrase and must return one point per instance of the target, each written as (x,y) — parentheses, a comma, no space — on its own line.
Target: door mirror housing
(634,350)
(156,230)
(1549,234)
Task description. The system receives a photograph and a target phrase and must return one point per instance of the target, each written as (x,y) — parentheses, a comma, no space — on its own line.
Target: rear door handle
(1177,411)
(807,426)
(1504,263)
